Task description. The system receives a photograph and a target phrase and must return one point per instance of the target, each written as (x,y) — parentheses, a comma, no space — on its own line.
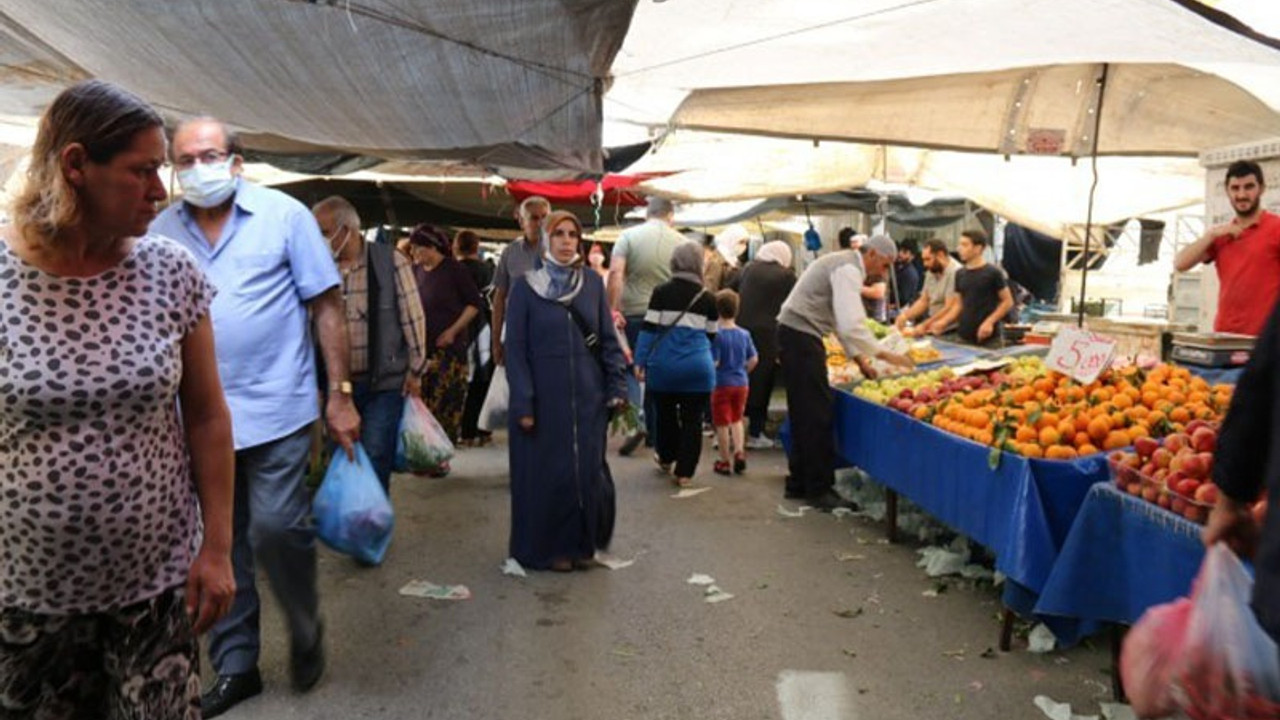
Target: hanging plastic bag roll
(352,512)
(493,413)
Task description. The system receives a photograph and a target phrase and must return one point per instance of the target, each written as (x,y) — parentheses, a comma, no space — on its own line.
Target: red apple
(1149,469)
(1161,475)
(1162,457)
(1150,492)
(1207,494)
(1191,466)
(1206,459)
(1134,488)
(1195,425)
(1187,487)
(1176,442)
(1178,505)
(1194,514)
(1204,440)
(1146,447)
(1163,501)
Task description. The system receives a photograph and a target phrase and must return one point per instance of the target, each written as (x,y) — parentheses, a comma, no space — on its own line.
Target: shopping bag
(493,413)
(421,445)
(1150,656)
(352,512)
(1229,666)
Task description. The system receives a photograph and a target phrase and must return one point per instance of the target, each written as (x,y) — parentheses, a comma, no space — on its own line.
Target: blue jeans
(379,426)
(635,393)
(271,525)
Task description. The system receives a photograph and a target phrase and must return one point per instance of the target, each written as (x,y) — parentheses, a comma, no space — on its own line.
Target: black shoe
(229,691)
(632,443)
(827,502)
(739,465)
(308,665)
(792,491)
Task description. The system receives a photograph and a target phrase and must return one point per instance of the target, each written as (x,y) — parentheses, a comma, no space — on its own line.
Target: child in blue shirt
(735,357)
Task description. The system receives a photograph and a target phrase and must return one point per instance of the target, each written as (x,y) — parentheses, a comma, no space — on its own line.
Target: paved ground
(640,642)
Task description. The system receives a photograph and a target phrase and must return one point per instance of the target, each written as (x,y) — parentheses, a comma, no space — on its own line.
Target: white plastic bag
(1228,667)
(422,445)
(493,413)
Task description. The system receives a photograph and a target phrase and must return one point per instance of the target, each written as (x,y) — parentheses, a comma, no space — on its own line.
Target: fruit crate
(1132,480)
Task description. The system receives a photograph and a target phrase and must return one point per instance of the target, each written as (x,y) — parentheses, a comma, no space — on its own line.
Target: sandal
(722,468)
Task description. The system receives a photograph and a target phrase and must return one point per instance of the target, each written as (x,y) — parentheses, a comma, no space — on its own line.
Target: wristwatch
(343,387)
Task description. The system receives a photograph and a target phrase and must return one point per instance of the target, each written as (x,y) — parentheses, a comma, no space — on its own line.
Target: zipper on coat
(573,407)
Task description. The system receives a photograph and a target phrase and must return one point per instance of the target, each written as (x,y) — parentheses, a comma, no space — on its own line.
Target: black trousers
(813,451)
(761,382)
(680,429)
(477,389)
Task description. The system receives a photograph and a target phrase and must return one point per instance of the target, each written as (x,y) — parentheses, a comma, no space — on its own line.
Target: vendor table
(1122,556)
(1022,511)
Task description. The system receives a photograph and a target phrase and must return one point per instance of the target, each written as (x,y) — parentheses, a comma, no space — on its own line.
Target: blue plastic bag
(352,511)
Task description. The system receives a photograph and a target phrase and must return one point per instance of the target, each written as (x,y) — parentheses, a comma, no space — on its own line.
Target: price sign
(1080,354)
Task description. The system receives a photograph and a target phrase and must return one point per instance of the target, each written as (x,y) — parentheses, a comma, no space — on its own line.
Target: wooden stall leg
(1006,631)
(891,515)
(1117,633)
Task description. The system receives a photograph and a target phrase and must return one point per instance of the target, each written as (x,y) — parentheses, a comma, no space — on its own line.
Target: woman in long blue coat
(562,392)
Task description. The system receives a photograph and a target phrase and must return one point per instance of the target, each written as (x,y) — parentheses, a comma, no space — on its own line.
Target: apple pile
(908,400)
(1175,474)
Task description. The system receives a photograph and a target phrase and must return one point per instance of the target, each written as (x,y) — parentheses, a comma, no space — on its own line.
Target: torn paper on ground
(513,568)
(613,563)
(689,492)
(714,594)
(428,589)
(1041,639)
(785,511)
(1058,711)
(700,579)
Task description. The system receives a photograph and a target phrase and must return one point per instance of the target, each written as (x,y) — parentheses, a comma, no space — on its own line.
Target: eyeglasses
(208,157)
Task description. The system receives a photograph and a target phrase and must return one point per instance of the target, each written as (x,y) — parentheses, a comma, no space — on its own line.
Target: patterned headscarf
(428,235)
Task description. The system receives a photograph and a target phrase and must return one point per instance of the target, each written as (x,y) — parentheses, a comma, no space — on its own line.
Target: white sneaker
(760,442)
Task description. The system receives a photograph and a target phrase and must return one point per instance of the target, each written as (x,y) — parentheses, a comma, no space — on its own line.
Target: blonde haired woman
(107,578)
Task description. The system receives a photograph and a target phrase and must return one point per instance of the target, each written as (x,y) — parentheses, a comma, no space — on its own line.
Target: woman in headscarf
(450,301)
(566,374)
(764,286)
(673,357)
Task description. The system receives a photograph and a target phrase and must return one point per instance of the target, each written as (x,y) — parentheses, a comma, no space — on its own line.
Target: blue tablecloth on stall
(1217,375)
(1122,556)
(1022,511)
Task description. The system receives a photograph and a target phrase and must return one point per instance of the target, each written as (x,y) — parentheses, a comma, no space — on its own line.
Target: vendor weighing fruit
(826,299)
(1246,252)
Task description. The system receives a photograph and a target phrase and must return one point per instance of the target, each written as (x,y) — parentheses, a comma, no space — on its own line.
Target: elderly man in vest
(827,299)
(385,326)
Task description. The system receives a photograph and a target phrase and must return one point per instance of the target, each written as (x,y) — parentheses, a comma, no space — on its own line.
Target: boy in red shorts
(735,357)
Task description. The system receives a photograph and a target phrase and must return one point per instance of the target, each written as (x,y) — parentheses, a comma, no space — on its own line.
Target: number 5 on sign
(1081,354)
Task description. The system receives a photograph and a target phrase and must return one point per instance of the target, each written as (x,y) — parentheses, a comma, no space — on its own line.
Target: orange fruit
(1180,415)
(1116,439)
(1025,434)
(1099,427)
(1049,436)
(1031,450)
(1122,401)
(1087,449)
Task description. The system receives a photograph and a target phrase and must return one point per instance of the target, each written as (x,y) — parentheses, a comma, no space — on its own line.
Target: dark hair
(102,117)
(977,237)
(468,242)
(909,245)
(1245,168)
(845,237)
(936,246)
(727,304)
(428,235)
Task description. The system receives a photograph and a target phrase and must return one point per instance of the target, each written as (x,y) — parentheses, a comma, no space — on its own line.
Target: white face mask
(207,185)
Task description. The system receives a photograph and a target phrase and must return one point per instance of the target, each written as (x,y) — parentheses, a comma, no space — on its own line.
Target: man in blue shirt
(264,253)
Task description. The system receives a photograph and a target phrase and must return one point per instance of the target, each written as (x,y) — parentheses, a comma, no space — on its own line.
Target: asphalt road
(827,621)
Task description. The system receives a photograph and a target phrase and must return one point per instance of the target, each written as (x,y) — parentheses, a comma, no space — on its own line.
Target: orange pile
(1057,418)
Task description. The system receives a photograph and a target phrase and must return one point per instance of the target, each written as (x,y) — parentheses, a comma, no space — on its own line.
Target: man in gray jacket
(385,326)
(827,299)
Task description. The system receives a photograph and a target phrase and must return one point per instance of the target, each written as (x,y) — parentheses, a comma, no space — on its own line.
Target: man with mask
(518,257)
(264,253)
(386,329)
(939,292)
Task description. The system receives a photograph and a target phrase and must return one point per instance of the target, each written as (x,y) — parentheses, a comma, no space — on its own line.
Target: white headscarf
(730,242)
(776,251)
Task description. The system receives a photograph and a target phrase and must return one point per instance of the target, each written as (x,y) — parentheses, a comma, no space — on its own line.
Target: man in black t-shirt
(984,296)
